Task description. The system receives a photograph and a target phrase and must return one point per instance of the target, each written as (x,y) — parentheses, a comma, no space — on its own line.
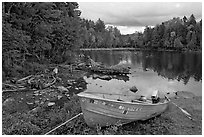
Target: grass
(45,118)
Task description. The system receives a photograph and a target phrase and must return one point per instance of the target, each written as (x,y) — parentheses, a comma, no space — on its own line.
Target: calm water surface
(165,71)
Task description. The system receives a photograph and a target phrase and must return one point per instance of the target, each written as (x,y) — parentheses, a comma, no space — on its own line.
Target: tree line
(172,34)
(50,32)
(175,33)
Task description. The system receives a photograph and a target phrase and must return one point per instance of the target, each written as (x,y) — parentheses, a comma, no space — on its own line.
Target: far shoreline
(140,49)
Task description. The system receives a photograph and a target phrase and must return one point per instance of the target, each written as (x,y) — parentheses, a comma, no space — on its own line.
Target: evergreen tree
(147,36)
(192,20)
(100,26)
(185,20)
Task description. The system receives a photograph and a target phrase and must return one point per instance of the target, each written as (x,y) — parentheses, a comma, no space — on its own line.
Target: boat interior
(122,97)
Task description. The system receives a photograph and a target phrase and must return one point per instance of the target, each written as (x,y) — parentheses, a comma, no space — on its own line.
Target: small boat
(103,109)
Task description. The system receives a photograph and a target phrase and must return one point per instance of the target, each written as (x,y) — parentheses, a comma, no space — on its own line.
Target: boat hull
(101,112)
(94,119)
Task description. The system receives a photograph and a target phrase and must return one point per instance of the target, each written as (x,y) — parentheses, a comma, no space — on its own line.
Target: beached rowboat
(103,109)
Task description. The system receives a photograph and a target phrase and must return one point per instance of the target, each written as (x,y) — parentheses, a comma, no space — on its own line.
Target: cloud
(127,29)
(138,14)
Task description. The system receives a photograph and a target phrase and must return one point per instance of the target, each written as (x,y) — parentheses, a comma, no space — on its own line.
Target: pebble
(80,88)
(37,101)
(67,95)
(36,92)
(62,88)
(29,103)
(35,110)
(70,81)
(51,104)
(59,97)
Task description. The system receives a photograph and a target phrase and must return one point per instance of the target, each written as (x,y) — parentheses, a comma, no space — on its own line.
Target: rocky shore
(39,111)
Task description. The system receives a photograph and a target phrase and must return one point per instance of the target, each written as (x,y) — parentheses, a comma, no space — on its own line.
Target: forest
(173,34)
(35,33)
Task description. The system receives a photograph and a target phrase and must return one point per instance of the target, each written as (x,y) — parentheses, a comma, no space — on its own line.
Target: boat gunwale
(81,95)
(97,112)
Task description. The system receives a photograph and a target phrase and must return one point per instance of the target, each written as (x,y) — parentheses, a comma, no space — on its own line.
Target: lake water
(150,70)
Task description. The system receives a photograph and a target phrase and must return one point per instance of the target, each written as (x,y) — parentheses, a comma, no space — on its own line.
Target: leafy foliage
(42,32)
(97,35)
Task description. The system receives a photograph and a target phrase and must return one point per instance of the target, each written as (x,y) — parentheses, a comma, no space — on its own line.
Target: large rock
(50,104)
(8,102)
(11,105)
(134,89)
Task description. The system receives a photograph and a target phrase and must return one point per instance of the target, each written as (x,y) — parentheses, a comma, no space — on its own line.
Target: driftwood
(9,85)
(109,77)
(24,78)
(64,123)
(32,82)
(99,68)
(183,111)
(29,81)
(50,84)
(19,89)
(25,89)
(110,71)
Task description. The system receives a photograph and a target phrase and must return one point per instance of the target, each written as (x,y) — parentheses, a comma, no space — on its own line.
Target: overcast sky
(134,16)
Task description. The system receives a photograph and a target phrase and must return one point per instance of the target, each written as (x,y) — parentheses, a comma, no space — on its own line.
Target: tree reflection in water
(170,65)
(174,65)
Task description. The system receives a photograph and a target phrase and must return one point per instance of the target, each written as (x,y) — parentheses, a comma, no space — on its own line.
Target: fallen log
(9,85)
(111,71)
(98,67)
(24,78)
